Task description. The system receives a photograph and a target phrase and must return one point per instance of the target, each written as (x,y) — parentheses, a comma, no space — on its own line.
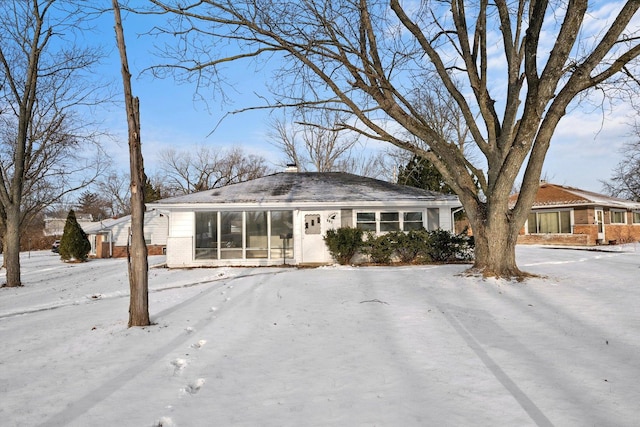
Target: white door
(600,224)
(312,241)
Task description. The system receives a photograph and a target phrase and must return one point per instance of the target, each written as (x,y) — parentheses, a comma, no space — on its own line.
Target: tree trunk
(495,235)
(11,248)
(137,256)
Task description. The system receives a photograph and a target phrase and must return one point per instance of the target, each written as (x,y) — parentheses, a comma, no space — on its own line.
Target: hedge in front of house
(344,243)
(408,247)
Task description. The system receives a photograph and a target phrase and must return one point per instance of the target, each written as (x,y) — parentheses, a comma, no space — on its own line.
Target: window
(412,221)
(281,234)
(433,219)
(553,222)
(231,230)
(636,217)
(257,240)
(243,235)
(206,235)
(312,224)
(618,217)
(389,221)
(366,221)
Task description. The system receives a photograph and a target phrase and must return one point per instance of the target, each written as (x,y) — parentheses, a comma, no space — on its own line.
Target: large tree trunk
(137,257)
(11,248)
(495,233)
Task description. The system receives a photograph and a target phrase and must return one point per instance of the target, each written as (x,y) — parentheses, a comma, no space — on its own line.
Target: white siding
(181,224)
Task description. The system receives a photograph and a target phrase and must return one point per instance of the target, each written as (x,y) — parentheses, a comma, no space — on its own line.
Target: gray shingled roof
(297,187)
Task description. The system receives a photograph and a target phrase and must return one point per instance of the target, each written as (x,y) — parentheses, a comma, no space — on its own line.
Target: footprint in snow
(199,344)
(179,364)
(164,422)
(195,386)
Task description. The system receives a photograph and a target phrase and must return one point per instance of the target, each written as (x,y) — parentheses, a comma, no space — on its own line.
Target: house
(54,226)
(110,237)
(282,218)
(569,216)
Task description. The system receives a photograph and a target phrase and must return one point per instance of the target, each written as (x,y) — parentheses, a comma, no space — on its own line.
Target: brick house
(563,215)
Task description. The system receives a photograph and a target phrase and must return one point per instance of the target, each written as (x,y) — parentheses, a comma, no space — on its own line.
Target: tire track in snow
(76,409)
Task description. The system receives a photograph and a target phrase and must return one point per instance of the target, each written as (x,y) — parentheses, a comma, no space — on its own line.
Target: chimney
(291,167)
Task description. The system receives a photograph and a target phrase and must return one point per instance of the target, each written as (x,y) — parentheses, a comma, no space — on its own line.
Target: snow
(332,346)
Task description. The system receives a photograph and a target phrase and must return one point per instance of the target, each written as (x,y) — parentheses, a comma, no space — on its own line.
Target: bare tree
(204,168)
(115,187)
(317,144)
(137,253)
(43,89)
(512,68)
(625,177)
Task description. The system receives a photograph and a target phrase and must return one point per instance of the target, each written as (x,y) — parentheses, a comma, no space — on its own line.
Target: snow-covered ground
(338,346)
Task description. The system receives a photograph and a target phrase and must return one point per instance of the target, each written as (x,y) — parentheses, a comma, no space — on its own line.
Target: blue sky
(584,151)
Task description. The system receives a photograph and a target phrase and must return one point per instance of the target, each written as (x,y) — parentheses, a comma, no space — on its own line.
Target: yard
(333,346)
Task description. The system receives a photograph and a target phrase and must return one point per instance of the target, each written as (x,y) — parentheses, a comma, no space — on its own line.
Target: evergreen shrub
(344,243)
(74,243)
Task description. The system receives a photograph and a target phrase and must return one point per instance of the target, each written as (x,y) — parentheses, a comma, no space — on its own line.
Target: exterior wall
(622,233)
(554,239)
(308,244)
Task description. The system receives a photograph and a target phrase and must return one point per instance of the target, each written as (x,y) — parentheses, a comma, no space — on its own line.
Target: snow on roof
(321,187)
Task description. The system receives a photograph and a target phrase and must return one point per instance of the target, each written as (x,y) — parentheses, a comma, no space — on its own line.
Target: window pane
(206,235)
(257,241)
(531,223)
(412,216)
(433,219)
(565,222)
(230,235)
(389,221)
(389,216)
(281,226)
(366,221)
(617,217)
(548,222)
(636,217)
(412,221)
(366,216)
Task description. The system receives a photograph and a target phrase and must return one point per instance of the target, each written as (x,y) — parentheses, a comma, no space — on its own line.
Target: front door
(600,224)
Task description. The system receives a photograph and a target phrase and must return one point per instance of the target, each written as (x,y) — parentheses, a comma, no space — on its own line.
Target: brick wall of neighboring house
(622,233)
(554,239)
(103,250)
(121,251)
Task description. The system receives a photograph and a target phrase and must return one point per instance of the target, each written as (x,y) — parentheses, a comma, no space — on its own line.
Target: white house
(110,237)
(282,218)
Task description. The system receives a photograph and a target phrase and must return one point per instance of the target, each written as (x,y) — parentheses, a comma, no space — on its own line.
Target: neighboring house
(54,226)
(569,216)
(110,237)
(282,218)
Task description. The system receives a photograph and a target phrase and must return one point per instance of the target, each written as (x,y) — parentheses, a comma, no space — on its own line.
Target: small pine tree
(74,243)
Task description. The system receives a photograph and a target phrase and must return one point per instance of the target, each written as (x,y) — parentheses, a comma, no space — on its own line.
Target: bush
(412,245)
(445,246)
(344,243)
(74,243)
(380,248)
